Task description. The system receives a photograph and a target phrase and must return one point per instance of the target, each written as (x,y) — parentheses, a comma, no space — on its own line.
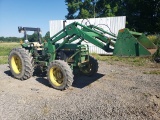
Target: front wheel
(91,68)
(21,63)
(60,75)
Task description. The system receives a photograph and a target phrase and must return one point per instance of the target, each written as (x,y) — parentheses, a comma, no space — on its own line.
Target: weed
(154,38)
(157,72)
(136,61)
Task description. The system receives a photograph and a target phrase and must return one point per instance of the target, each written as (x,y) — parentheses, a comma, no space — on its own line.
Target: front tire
(21,63)
(91,68)
(60,75)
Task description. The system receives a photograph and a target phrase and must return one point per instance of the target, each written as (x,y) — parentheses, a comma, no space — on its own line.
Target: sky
(29,13)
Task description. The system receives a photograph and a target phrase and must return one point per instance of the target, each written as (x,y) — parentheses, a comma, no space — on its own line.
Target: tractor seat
(37,45)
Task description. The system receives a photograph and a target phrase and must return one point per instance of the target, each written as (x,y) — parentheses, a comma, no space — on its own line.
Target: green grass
(157,72)
(3,59)
(5,48)
(136,61)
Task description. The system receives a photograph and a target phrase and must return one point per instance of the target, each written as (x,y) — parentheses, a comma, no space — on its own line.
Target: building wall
(110,24)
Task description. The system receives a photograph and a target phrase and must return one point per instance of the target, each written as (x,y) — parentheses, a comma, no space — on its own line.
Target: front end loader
(60,60)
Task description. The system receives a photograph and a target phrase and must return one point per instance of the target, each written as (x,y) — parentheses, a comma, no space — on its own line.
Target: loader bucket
(131,43)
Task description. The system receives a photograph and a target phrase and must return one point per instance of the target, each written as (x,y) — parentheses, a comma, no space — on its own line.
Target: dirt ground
(116,92)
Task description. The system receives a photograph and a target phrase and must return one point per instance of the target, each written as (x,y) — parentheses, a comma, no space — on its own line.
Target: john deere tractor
(60,60)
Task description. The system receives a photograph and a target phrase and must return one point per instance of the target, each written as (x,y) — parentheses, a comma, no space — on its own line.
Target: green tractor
(60,60)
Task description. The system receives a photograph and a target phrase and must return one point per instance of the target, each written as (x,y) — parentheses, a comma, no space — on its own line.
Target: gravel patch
(116,92)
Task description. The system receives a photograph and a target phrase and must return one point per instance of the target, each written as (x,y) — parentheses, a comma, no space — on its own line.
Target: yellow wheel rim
(16,64)
(56,76)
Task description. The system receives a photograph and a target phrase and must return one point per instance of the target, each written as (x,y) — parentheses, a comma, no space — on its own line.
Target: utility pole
(94,5)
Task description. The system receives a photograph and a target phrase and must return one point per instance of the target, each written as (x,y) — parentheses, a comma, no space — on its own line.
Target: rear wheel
(91,68)
(60,75)
(20,63)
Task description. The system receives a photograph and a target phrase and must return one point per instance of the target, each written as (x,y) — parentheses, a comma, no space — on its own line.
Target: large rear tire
(91,68)
(21,63)
(60,75)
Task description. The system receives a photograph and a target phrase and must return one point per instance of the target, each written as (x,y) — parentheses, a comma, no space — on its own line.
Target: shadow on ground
(80,81)
(41,78)
(43,81)
(8,72)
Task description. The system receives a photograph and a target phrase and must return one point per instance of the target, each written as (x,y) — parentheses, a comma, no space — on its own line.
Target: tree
(91,8)
(142,15)
(47,36)
(107,8)
(33,37)
(143,19)
(80,9)
(9,39)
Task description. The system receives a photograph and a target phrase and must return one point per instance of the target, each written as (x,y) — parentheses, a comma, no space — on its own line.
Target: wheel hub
(56,76)
(16,64)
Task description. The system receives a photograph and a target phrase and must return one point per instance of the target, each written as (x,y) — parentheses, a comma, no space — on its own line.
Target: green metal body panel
(77,54)
(50,49)
(130,43)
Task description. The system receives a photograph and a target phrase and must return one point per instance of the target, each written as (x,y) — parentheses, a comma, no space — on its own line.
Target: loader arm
(77,31)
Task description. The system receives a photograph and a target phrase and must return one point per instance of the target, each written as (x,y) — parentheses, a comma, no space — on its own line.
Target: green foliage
(106,8)
(47,36)
(33,37)
(84,13)
(80,9)
(157,72)
(73,6)
(10,39)
(143,19)
(154,38)
(91,8)
(142,15)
